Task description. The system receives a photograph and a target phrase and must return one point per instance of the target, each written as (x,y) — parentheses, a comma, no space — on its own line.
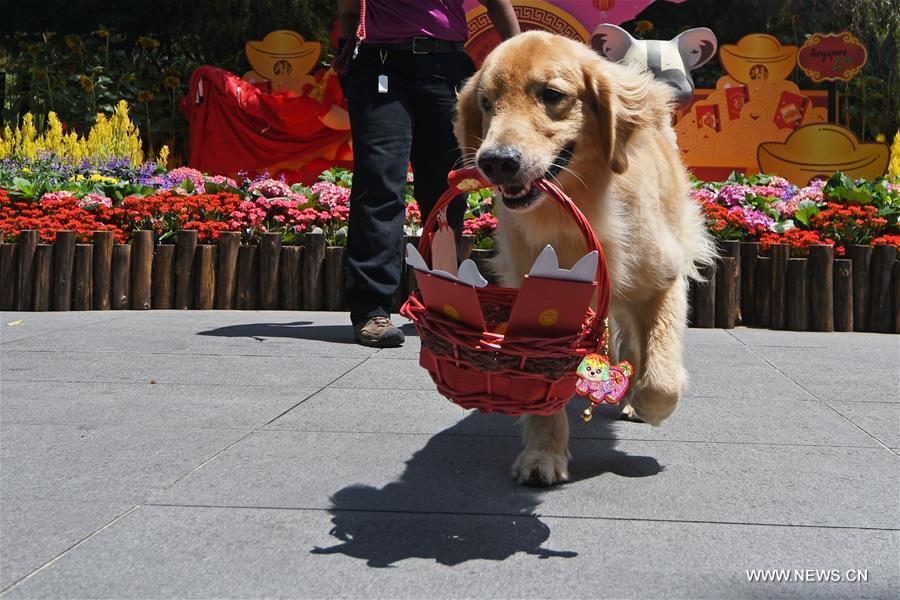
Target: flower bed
(57,181)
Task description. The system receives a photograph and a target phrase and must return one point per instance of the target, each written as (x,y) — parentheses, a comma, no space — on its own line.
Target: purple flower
(753,218)
(733,195)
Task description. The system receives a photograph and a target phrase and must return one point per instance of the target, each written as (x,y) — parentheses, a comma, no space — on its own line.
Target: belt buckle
(415,40)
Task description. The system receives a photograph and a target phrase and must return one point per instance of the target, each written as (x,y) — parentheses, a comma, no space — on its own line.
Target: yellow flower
(880,138)
(26,170)
(643,26)
(102,33)
(102,178)
(87,84)
(73,43)
(171,82)
(147,43)
(145,96)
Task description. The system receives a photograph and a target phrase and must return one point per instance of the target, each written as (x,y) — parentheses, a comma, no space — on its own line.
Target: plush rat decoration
(669,60)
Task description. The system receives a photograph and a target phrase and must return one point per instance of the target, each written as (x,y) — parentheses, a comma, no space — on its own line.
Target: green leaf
(782,226)
(805,210)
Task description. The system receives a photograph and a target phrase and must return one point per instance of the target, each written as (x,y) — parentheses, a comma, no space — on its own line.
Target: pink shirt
(389,21)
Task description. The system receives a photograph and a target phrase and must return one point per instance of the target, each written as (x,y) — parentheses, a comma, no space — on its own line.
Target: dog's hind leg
(545,458)
(661,377)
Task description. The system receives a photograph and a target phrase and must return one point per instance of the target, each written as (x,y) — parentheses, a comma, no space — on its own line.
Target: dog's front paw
(540,467)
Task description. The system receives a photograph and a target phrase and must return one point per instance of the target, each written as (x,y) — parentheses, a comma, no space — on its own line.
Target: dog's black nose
(500,163)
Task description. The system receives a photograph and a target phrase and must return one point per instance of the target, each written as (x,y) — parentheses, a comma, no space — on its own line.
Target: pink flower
(50,197)
(92,200)
(271,188)
(331,195)
(732,195)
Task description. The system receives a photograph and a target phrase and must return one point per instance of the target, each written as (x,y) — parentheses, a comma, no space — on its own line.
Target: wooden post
(762,292)
(749,256)
(25,275)
(121,273)
(843,295)
(185,251)
(103,248)
(290,275)
(334,278)
(229,242)
(141,270)
(63,261)
(7,276)
(482,259)
(163,278)
(821,290)
(797,295)
(896,310)
(726,292)
(247,278)
(881,293)
(83,277)
(269,257)
(780,254)
(730,248)
(692,301)
(705,301)
(206,277)
(861,257)
(43,266)
(313,271)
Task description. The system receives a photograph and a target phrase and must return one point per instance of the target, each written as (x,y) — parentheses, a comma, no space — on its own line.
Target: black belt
(423,45)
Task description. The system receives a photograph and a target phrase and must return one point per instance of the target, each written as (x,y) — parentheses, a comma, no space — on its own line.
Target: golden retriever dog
(546,106)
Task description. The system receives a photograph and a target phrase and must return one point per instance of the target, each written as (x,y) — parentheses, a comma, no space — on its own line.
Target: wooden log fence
(818,292)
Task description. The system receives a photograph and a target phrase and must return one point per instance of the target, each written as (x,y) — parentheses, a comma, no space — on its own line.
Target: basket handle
(469,179)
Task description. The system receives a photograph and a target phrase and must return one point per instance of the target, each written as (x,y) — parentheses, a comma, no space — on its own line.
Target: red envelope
(550,307)
(790,111)
(452,299)
(708,116)
(736,97)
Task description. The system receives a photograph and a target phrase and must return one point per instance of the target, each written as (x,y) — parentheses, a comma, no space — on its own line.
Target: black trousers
(410,122)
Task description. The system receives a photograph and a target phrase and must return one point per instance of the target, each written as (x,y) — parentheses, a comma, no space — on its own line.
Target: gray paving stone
(172,368)
(92,405)
(795,420)
(624,479)
(39,324)
(748,382)
(812,339)
(37,531)
(798,361)
(43,462)
(386,374)
(882,420)
(765,420)
(288,336)
(852,386)
(177,552)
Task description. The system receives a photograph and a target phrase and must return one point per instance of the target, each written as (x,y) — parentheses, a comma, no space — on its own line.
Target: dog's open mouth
(519,197)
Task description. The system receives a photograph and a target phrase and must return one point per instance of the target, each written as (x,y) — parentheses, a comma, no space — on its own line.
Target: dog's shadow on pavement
(456,501)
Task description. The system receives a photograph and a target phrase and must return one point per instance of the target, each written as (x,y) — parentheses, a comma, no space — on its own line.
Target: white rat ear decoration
(468,270)
(611,41)
(547,266)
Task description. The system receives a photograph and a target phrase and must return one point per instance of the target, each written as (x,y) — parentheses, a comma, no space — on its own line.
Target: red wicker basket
(486,371)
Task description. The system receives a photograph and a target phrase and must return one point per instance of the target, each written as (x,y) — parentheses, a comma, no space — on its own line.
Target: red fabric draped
(237,126)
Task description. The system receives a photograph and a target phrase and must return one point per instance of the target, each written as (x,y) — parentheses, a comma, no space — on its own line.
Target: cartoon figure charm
(602,382)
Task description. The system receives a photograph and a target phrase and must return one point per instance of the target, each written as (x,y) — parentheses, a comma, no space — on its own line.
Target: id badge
(382,84)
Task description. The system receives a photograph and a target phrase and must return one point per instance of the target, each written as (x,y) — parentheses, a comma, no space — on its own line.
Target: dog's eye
(551,96)
(485,103)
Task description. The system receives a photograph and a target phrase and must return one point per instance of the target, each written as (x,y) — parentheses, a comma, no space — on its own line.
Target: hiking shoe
(378,332)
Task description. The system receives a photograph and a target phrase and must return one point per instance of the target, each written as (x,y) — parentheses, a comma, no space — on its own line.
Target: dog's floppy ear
(468,125)
(624,99)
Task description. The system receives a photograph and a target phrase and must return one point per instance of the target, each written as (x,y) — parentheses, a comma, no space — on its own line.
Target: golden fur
(625,175)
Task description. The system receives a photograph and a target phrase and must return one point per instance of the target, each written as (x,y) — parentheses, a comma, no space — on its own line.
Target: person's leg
(381,125)
(435,150)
